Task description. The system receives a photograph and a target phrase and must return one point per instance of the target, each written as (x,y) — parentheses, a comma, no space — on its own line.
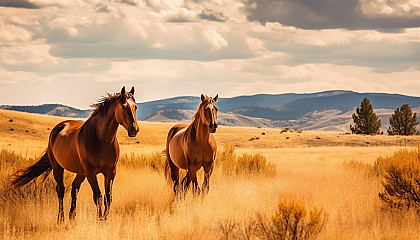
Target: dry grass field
(320,170)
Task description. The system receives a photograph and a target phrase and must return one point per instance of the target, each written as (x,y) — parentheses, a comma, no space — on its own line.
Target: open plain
(323,170)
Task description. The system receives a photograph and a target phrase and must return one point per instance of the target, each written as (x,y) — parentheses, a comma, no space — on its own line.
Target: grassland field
(314,168)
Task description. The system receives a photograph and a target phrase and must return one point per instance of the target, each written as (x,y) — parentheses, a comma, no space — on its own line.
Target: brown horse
(86,148)
(191,147)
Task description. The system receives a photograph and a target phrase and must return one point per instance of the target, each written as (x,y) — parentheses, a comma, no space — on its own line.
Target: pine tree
(403,121)
(365,120)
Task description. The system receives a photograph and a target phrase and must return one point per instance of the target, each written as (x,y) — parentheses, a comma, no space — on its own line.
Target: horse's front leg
(192,173)
(208,169)
(109,180)
(186,182)
(97,196)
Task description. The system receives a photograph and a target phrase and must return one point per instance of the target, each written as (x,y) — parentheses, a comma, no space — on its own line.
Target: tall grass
(144,206)
(154,161)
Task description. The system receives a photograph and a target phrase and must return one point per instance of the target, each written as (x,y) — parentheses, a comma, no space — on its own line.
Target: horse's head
(210,109)
(125,112)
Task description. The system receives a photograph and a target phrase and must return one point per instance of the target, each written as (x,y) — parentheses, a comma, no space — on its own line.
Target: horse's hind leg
(174,176)
(109,179)
(58,173)
(97,196)
(75,186)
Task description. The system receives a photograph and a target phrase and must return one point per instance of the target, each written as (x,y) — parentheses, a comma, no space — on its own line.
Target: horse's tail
(167,165)
(168,160)
(29,174)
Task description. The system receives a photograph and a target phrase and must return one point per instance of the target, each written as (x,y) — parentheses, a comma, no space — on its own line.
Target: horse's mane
(197,112)
(103,104)
(200,106)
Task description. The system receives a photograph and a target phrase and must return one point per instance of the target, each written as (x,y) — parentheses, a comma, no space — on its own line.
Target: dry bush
(231,229)
(401,174)
(254,164)
(226,229)
(226,159)
(291,222)
(154,161)
(245,164)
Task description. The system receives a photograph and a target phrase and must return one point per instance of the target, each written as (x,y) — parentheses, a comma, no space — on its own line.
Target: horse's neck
(201,130)
(106,126)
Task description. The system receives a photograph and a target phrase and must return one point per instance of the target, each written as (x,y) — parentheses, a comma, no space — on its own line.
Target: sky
(74,52)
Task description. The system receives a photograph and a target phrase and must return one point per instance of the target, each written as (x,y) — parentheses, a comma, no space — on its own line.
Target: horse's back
(63,144)
(176,129)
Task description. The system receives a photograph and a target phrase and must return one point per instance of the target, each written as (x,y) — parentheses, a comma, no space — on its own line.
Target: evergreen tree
(365,120)
(403,121)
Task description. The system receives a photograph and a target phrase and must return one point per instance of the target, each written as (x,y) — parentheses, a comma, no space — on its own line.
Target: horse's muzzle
(212,128)
(132,131)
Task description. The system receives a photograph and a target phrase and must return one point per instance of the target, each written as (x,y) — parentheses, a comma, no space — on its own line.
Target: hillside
(326,111)
(27,133)
(50,109)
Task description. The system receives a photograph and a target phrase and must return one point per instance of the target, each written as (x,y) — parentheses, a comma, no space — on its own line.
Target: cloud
(332,14)
(18,4)
(211,16)
(171,48)
(383,52)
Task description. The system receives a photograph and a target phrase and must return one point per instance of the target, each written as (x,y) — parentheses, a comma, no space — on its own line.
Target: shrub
(401,174)
(154,161)
(291,222)
(231,229)
(226,229)
(254,164)
(245,164)
(226,159)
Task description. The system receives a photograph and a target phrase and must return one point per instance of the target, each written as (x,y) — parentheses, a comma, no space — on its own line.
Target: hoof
(72,215)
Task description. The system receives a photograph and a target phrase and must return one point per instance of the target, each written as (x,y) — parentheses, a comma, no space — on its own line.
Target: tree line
(402,122)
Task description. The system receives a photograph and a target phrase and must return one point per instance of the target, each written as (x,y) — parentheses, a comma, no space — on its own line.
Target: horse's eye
(123,106)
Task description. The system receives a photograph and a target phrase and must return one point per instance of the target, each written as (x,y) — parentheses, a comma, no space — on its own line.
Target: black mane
(106,102)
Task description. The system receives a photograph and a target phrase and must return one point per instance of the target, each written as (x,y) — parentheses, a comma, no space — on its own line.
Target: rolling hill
(50,109)
(329,110)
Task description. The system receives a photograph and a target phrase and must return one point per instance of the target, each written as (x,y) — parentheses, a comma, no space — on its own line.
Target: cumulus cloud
(388,15)
(217,45)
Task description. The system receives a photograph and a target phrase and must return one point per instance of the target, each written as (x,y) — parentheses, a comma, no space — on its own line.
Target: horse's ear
(123,90)
(202,97)
(132,90)
(216,98)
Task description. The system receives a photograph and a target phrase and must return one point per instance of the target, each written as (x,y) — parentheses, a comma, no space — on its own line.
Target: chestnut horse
(86,148)
(191,147)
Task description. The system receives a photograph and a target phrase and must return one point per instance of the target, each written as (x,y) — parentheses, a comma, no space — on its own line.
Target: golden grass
(310,170)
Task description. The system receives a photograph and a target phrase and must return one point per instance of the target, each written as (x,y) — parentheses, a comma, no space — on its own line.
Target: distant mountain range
(329,110)
(51,109)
